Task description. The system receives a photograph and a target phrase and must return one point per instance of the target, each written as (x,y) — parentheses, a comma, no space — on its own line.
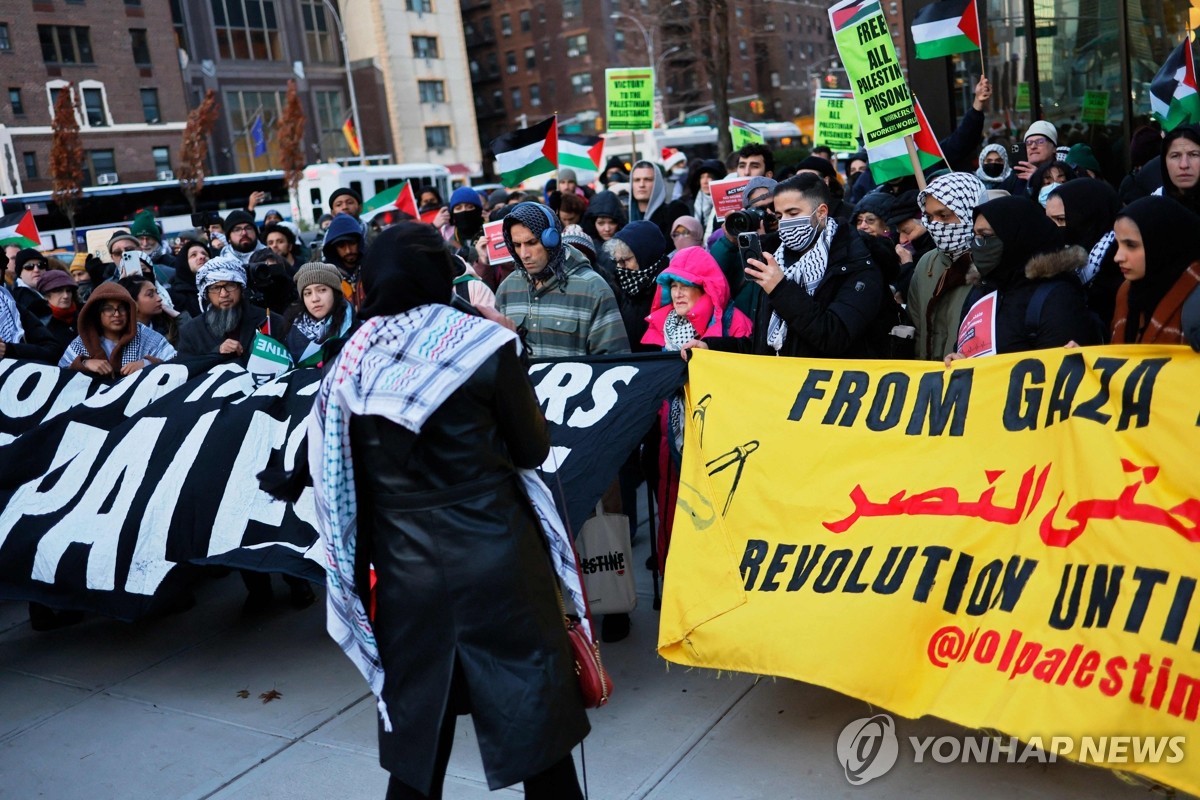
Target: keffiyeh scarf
(402,368)
(11,331)
(145,342)
(1089,271)
(808,271)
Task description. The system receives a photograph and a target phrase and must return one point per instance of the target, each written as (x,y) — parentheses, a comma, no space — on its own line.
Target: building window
(581,83)
(742,48)
(31,169)
(162,158)
(498,101)
(93,105)
(505,25)
(65,44)
(14,97)
(572,9)
(425,47)
(432,91)
(526,22)
(745,80)
(102,162)
(516,98)
(331,115)
(437,137)
(319,37)
(535,95)
(530,58)
(619,40)
(134,3)
(150,106)
(577,45)
(242,109)
(493,64)
(177,24)
(510,62)
(474,65)
(5,42)
(420,6)
(141,46)
(247,30)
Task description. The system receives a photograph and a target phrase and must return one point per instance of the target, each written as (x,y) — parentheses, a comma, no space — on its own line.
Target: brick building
(122,64)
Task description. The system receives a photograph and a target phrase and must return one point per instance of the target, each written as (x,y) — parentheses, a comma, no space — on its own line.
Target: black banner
(106,488)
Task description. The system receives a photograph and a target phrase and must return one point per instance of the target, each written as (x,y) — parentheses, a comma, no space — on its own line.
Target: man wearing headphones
(561,307)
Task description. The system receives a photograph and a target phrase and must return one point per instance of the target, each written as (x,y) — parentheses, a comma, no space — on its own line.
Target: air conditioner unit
(107,179)
(164,175)
(572,53)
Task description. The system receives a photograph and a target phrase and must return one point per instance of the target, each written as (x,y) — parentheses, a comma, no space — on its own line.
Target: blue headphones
(551,238)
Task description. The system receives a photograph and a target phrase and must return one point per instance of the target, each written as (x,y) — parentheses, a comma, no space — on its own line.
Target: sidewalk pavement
(152,710)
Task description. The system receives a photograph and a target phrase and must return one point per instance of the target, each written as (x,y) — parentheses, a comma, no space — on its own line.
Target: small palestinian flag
(946,28)
(19,228)
(850,13)
(401,197)
(581,152)
(891,160)
(1173,93)
(527,152)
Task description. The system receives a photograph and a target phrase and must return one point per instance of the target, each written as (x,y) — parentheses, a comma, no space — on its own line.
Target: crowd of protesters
(843,267)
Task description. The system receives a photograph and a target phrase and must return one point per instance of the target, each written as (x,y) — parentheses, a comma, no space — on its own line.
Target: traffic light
(831,80)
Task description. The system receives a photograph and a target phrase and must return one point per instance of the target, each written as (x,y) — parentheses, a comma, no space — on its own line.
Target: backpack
(1033,313)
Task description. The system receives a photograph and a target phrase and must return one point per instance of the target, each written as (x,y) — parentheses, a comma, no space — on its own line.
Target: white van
(322,180)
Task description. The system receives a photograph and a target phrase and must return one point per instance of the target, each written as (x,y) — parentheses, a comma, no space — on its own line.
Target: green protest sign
(836,119)
(630,98)
(1022,97)
(881,95)
(1095,106)
(743,133)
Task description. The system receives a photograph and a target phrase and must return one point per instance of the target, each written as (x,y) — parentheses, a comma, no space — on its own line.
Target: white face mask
(798,233)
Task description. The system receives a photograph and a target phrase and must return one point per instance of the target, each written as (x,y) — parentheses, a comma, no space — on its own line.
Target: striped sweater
(576,319)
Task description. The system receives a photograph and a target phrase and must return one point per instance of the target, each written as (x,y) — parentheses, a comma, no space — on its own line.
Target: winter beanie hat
(318,272)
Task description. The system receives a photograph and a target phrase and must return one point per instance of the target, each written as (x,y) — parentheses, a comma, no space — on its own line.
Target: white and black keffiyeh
(11,330)
(145,342)
(403,368)
(315,330)
(221,269)
(677,331)
(1089,271)
(808,271)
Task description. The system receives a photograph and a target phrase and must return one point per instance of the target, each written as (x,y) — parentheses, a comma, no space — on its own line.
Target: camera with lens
(745,221)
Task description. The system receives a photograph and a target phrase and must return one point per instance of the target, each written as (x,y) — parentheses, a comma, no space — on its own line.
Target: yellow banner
(1013,543)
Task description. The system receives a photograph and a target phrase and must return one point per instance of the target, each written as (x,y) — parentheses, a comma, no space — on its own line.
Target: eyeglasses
(680,234)
(113,311)
(981,239)
(620,262)
(242,228)
(35,265)
(224,288)
(1037,141)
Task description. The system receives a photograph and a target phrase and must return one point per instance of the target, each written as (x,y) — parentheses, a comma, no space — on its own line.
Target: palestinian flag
(1173,94)
(527,152)
(946,28)
(891,160)
(19,228)
(851,12)
(581,152)
(401,197)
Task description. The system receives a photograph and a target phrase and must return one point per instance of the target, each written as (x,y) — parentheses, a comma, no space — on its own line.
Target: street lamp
(358,131)
(645,35)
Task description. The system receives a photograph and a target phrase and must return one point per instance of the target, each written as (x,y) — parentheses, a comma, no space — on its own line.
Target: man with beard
(228,322)
(344,248)
(242,235)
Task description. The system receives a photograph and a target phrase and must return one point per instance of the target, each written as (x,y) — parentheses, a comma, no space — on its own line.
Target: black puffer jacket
(835,322)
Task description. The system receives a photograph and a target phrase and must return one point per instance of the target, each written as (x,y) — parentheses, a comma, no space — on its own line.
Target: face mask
(950,237)
(798,233)
(1044,194)
(986,255)
(633,281)
(993,170)
(468,223)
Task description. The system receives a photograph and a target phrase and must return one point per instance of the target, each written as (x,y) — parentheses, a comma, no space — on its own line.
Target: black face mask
(468,223)
(993,170)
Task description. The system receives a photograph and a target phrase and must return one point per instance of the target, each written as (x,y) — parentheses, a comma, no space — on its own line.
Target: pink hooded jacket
(693,265)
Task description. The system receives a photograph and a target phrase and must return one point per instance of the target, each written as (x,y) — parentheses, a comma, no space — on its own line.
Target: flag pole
(916,161)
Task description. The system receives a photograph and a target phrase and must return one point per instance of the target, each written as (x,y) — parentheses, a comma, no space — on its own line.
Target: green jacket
(936,295)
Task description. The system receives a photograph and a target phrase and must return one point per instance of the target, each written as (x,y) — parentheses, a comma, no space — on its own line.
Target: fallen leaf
(244,693)
(267,697)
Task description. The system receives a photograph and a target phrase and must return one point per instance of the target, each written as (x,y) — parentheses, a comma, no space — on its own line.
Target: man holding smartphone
(819,293)
(1040,143)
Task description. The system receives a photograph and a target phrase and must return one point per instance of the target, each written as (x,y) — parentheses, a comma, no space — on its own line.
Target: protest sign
(105,488)
(630,98)
(1095,106)
(1022,97)
(881,95)
(1009,544)
(727,195)
(743,133)
(977,333)
(497,248)
(836,120)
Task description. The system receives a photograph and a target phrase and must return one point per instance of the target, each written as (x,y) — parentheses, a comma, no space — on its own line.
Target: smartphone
(749,246)
(1019,154)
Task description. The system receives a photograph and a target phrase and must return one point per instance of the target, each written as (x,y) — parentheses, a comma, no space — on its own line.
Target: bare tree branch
(193,151)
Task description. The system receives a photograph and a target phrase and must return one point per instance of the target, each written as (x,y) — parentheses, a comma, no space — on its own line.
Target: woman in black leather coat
(467,617)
